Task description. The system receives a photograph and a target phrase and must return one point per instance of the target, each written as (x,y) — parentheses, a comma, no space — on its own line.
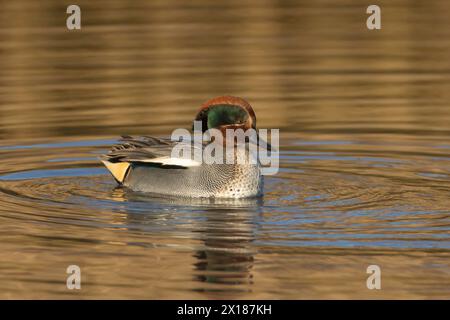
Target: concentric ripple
(330,196)
(338,193)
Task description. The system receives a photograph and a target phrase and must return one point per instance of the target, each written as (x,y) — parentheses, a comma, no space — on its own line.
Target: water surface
(365,149)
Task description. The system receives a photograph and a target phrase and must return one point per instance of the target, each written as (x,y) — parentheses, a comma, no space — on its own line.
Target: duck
(147,163)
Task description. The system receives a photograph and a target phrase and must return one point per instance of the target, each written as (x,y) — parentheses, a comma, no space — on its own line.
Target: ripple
(312,193)
(37,174)
(327,197)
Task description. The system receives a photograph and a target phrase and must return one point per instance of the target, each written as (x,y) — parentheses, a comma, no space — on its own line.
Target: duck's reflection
(226,228)
(228,253)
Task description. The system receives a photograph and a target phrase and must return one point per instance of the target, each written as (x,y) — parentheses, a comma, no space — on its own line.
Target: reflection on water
(365,154)
(228,257)
(226,228)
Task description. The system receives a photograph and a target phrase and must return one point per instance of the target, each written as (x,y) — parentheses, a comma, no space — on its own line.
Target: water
(365,149)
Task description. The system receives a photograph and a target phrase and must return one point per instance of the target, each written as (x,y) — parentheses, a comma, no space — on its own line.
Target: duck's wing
(146,150)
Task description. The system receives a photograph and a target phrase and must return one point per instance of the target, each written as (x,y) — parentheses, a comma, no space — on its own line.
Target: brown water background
(365,148)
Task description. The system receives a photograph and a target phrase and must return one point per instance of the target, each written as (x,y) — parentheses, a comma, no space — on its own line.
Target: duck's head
(226,112)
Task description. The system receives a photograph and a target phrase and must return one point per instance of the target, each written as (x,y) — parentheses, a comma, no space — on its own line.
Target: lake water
(365,149)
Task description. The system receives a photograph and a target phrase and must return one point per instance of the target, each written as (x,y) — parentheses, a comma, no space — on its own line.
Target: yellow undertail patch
(118,170)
